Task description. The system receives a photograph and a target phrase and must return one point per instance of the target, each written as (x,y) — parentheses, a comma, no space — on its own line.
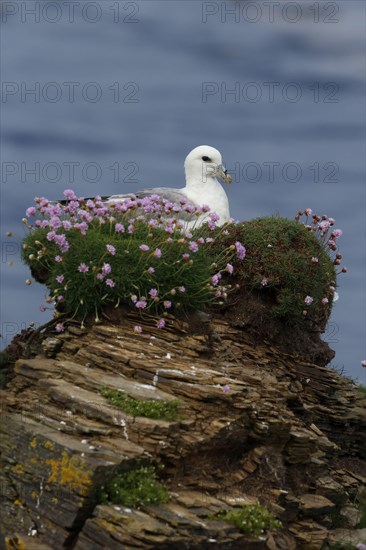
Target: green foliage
(82,294)
(252,519)
(138,487)
(154,408)
(278,265)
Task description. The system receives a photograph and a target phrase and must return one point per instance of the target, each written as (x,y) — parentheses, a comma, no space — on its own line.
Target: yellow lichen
(34,495)
(33,443)
(17,502)
(14,543)
(49,445)
(17,469)
(55,500)
(71,472)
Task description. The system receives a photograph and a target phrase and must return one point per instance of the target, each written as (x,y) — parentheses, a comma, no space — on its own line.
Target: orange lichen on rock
(70,471)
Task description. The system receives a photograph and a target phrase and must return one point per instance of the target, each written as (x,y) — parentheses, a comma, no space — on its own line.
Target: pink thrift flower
(167,304)
(30,211)
(363,363)
(110,282)
(314,260)
(144,247)
(185,256)
(60,298)
(83,268)
(337,233)
(229,268)
(151,270)
(193,246)
(66,225)
(157,253)
(60,278)
(141,304)
(240,250)
(137,329)
(59,327)
(42,308)
(308,300)
(153,293)
(160,323)
(325,301)
(324,225)
(51,235)
(264,281)
(226,389)
(70,195)
(308,211)
(182,288)
(119,228)
(111,249)
(58,259)
(106,269)
(215,279)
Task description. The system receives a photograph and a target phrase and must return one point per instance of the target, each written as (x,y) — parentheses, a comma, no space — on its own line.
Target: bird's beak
(222,174)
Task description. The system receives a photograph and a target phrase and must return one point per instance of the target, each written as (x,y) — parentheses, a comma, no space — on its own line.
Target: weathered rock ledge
(289,434)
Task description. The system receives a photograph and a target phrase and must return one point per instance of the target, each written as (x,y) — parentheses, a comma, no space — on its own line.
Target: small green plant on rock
(252,519)
(152,408)
(138,487)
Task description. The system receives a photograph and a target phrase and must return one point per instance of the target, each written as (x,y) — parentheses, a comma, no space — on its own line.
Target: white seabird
(202,166)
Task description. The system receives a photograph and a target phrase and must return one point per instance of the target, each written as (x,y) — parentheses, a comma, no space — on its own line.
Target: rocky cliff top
(255,424)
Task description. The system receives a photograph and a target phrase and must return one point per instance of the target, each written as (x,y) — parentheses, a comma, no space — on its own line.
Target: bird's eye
(206,159)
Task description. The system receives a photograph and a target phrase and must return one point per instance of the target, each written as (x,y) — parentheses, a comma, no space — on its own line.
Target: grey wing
(168,193)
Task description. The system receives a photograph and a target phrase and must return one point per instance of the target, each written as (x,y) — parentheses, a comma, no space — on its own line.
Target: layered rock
(255,424)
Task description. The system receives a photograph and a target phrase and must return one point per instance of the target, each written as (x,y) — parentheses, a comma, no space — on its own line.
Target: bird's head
(205,162)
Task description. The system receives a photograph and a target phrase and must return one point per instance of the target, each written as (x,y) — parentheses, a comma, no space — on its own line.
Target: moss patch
(138,487)
(154,408)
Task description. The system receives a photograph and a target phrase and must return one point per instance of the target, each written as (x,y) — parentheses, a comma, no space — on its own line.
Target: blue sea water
(110,96)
